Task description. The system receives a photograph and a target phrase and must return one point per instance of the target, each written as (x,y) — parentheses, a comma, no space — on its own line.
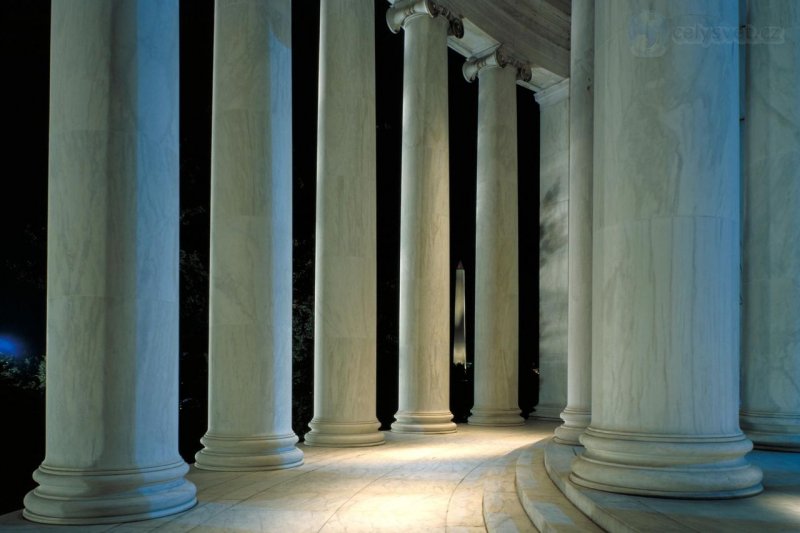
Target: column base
(772,431)
(495,417)
(234,453)
(83,496)
(424,422)
(575,423)
(343,434)
(671,466)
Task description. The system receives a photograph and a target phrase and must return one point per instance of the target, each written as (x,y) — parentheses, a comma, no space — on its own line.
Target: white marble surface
(250,307)
(345,288)
(496,251)
(665,261)
(424,339)
(448,483)
(770,412)
(112,281)
(774,510)
(546,506)
(553,248)
(578,411)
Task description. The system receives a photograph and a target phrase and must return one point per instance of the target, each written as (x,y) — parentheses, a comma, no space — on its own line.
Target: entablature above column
(535,32)
(553,94)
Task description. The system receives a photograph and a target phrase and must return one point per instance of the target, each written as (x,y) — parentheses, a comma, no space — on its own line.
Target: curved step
(502,511)
(545,505)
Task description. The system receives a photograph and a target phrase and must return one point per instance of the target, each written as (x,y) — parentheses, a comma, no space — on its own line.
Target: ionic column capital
(497,58)
(402,11)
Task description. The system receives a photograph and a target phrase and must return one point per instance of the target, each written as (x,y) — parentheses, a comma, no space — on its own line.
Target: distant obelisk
(460,324)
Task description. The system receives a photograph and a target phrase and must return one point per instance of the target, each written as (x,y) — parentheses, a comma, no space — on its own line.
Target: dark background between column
(24,52)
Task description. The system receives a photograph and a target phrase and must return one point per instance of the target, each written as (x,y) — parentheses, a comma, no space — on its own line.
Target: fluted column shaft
(770,413)
(497,254)
(554,207)
(250,306)
(112,277)
(666,258)
(578,411)
(424,227)
(345,289)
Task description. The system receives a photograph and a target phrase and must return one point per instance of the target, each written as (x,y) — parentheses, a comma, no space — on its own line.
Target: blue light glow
(10,345)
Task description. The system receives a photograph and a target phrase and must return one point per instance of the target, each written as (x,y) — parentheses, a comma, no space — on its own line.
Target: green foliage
(302,337)
(23,372)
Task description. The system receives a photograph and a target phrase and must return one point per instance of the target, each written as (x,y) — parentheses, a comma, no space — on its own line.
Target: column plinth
(343,434)
(424,337)
(772,431)
(71,496)
(497,255)
(250,303)
(576,420)
(666,465)
(112,276)
(245,452)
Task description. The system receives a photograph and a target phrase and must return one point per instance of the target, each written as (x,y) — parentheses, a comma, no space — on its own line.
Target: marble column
(112,279)
(770,412)
(250,307)
(497,253)
(665,286)
(553,249)
(424,403)
(345,290)
(578,412)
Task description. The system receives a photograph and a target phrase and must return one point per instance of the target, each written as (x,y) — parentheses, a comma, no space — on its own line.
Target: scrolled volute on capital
(497,58)
(402,11)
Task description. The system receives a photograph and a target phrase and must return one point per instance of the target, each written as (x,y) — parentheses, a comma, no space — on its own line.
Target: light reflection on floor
(412,483)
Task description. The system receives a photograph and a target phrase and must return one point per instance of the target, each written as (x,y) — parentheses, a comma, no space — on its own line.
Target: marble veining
(665,303)
(112,279)
(250,301)
(424,337)
(554,207)
(345,288)
(497,255)
(770,412)
(577,413)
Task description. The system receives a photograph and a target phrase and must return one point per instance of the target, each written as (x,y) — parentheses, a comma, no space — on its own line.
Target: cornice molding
(553,94)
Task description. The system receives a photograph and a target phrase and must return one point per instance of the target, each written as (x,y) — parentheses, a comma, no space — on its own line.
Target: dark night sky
(24,45)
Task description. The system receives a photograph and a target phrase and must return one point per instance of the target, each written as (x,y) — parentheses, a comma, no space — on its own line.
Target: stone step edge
(505,521)
(543,498)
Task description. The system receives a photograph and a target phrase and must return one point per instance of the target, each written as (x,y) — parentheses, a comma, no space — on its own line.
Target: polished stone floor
(459,482)
(478,479)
